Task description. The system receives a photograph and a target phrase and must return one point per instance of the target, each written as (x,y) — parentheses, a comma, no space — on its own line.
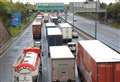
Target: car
(74,34)
(75,20)
(37,44)
(59,20)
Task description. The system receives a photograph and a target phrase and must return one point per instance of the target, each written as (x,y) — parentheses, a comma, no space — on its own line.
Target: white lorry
(62,64)
(66,31)
(50,25)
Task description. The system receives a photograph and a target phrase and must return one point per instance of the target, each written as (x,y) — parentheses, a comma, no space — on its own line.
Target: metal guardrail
(86,35)
(83,33)
(5,46)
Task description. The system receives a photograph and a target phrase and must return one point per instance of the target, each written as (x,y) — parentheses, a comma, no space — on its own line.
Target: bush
(7,8)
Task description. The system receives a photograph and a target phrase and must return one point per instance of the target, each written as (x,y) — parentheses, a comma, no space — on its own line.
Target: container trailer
(36,30)
(39,18)
(62,64)
(50,25)
(54,36)
(97,62)
(66,31)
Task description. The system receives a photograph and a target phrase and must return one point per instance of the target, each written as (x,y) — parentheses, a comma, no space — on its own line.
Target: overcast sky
(65,1)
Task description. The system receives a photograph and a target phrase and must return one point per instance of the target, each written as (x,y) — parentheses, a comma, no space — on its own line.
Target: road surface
(105,33)
(46,65)
(13,52)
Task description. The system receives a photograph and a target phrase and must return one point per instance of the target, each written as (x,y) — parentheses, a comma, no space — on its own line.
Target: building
(88,6)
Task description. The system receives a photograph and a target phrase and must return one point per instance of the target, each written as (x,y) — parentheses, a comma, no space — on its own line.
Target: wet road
(46,63)
(105,33)
(13,52)
(46,77)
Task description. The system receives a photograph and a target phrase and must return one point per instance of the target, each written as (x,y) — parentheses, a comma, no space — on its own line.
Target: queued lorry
(54,19)
(96,62)
(46,17)
(62,64)
(54,36)
(36,29)
(66,31)
(27,67)
(50,25)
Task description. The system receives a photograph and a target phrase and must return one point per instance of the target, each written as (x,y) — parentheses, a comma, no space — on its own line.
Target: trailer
(36,30)
(39,18)
(66,31)
(54,36)
(40,14)
(97,62)
(54,19)
(62,64)
(50,25)
(46,18)
(26,68)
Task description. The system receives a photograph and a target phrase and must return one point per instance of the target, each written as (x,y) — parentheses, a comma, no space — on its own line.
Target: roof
(50,24)
(53,17)
(28,62)
(36,23)
(54,31)
(64,25)
(51,4)
(39,17)
(99,51)
(60,52)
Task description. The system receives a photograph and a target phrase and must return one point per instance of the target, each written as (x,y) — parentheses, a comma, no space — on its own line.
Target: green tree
(5,9)
(114,12)
(103,5)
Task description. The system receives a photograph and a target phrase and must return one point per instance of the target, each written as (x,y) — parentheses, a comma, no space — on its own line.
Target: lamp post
(73,13)
(65,13)
(96,17)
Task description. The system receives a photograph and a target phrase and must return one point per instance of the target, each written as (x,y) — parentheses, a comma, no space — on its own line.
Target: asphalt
(5,46)
(10,56)
(46,62)
(105,33)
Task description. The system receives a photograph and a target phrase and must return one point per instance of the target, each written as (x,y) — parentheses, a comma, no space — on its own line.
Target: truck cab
(72,46)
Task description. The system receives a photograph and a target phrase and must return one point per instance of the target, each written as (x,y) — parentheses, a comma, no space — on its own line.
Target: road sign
(16,19)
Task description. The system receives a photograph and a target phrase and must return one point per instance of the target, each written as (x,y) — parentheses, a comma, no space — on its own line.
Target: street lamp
(73,13)
(65,14)
(96,17)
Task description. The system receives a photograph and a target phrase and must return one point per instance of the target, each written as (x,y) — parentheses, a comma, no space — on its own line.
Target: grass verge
(16,30)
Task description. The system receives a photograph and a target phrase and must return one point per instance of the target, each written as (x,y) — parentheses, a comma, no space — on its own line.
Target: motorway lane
(46,63)
(16,49)
(105,33)
(13,52)
(46,67)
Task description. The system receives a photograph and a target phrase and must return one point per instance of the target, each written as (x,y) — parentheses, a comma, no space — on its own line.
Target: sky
(65,1)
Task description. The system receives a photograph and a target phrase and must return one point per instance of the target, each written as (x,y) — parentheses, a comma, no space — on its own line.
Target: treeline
(7,8)
(111,16)
(113,12)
